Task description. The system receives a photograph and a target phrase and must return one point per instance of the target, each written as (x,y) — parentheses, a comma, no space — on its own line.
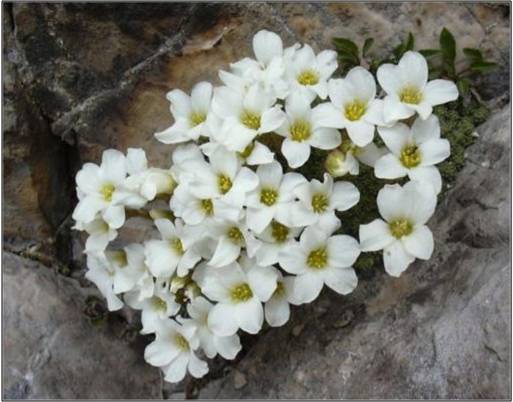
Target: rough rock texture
(442,330)
(79,78)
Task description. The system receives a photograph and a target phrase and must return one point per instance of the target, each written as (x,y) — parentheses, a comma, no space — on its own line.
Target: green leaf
(448,46)
(463,86)
(483,66)
(410,44)
(366,46)
(344,45)
(429,52)
(473,54)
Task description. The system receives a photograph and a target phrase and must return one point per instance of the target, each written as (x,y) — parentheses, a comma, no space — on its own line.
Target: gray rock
(50,348)
(441,330)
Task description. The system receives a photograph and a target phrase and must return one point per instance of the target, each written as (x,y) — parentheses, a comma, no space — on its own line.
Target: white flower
(191,209)
(173,351)
(403,236)
(245,115)
(239,292)
(100,190)
(277,309)
(230,237)
(275,237)
(414,152)
(156,308)
(272,198)
(309,73)
(319,201)
(102,276)
(226,346)
(190,114)
(222,181)
(174,252)
(319,259)
(302,130)
(345,159)
(408,90)
(353,106)
(254,154)
(100,234)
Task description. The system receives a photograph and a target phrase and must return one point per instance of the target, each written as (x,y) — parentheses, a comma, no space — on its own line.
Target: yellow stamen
(320,203)
(410,94)
(318,259)
(300,130)
(400,227)
(410,156)
(197,118)
(250,120)
(268,196)
(106,191)
(354,110)
(279,232)
(308,77)
(224,183)
(207,206)
(241,293)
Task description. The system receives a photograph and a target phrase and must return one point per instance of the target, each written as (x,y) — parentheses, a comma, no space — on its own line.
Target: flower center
(250,120)
(224,183)
(235,235)
(197,118)
(354,110)
(318,259)
(106,191)
(400,227)
(158,303)
(300,130)
(410,156)
(207,206)
(308,77)
(280,289)
(181,342)
(177,246)
(410,94)
(119,256)
(320,203)
(247,151)
(279,232)
(241,293)
(268,196)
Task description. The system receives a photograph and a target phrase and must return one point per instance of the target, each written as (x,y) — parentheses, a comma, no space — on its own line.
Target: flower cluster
(243,236)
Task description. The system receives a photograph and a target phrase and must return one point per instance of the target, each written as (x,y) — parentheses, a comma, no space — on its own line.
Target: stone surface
(52,351)
(441,330)
(79,78)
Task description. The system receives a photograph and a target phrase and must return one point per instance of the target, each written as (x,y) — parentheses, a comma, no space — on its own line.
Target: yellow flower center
(400,227)
(119,256)
(250,120)
(197,118)
(106,191)
(410,156)
(410,94)
(318,259)
(320,203)
(235,235)
(354,110)
(279,232)
(181,342)
(308,77)
(224,183)
(241,293)
(247,151)
(268,196)
(177,246)
(158,303)
(300,130)
(207,206)
(280,289)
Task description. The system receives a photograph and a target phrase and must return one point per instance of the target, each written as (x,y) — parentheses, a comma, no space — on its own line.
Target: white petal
(270,175)
(393,202)
(425,130)
(292,259)
(224,162)
(250,315)
(113,165)
(327,115)
(438,92)
(87,208)
(262,281)
(288,185)
(296,153)
(375,236)
(314,237)
(419,243)
(374,112)
(201,96)
(415,67)
(395,137)
(271,120)
(89,178)
(423,198)
(434,151)
(166,228)
(389,167)
(198,368)
(429,175)
(260,155)
(363,83)
(245,181)
(325,138)
(222,320)
(396,259)
(266,46)
(370,154)
(177,133)
(180,103)
(159,353)
(277,311)
(360,132)
(114,216)
(297,215)
(389,78)
(342,250)
(424,109)
(306,288)
(258,218)
(227,346)
(394,109)
(176,371)
(136,160)
(161,260)
(341,280)
(345,195)
(226,252)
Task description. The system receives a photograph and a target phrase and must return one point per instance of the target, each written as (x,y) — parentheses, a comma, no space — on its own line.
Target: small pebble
(475,134)
(239,380)
(297,329)
(485,164)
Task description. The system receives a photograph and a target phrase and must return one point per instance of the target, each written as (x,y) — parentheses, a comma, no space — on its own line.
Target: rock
(441,330)
(51,349)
